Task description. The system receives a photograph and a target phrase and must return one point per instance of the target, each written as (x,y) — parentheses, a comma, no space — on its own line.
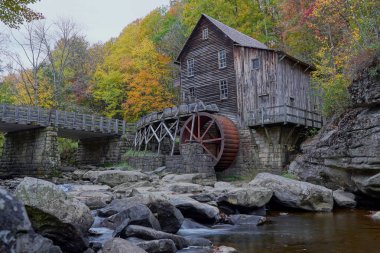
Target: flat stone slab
(296,194)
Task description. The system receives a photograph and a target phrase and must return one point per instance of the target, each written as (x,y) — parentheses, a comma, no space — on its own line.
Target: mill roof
(236,36)
(240,39)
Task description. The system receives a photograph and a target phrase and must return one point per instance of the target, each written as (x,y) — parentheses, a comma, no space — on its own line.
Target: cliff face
(346,152)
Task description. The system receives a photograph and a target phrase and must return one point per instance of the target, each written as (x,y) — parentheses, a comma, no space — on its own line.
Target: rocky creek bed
(115,210)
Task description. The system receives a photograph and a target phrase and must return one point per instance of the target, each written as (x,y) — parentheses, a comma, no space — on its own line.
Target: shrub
(67,150)
(2,140)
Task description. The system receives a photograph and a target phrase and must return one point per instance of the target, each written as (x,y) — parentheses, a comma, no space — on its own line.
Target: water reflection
(341,231)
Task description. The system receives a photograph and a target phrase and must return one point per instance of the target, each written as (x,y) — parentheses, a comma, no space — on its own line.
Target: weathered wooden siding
(255,88)
(295,82)
(276,81)
(206,69)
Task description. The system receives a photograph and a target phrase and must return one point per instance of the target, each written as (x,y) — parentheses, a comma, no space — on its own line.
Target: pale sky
(99,19)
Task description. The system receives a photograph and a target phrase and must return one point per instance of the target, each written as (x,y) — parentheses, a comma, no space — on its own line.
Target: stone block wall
(264,150)
(192,160)
(146,163)
(31,152)
(102,150)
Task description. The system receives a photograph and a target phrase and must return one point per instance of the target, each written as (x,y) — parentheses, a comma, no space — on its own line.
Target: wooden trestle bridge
(166,124)
(195,122)
(216,133)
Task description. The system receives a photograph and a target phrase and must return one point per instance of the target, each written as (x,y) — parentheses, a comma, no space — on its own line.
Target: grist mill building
(252,104)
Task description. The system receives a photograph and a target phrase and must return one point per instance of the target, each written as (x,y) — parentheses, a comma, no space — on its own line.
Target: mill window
(222,60)
(223,86)
(255,64)
(205,34)
(190,67)
(291,102)
(192,91)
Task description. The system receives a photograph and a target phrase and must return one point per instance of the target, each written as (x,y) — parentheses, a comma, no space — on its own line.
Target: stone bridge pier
(32,152)
(100,151)
(31,145)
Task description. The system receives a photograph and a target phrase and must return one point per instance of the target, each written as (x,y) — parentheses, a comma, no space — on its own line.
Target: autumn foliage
(132,75)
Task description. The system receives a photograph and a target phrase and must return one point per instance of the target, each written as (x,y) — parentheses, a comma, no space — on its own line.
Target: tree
(30,65)
(60,47)
(15,12)
(148,87)
(257,18)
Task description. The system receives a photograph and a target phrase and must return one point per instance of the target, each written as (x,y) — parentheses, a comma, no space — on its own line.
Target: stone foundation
(146,163)
(30,153)
(267,149)
(192,160)
(102,151)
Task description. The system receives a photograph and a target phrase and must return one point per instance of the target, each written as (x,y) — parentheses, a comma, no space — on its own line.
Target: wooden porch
(284,114)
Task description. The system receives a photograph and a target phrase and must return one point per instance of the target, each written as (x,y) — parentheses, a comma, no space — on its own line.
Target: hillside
(132,75)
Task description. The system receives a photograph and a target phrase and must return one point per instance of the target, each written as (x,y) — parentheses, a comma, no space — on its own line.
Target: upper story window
(222,60)
(292,102)
(205,34)
(255,64)
(190,67)
(192,91)
(223,86)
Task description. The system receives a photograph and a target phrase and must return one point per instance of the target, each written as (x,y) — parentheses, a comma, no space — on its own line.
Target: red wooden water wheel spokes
(216,134)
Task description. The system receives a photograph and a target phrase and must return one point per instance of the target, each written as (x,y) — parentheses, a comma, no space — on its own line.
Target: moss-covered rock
(55,215)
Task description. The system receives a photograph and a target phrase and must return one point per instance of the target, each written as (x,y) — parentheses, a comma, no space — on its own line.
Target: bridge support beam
(32,152)
(100,151)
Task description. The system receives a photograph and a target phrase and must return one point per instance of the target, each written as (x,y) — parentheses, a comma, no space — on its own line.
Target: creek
(348,231)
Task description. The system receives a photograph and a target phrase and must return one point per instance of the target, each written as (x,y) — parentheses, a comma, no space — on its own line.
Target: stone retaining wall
(146,163)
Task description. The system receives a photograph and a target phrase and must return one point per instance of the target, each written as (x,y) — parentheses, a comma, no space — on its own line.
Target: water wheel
(217,135)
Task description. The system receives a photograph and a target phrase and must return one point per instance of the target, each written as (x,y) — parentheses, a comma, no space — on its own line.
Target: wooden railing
(182,110)
(285,114)
(67,120)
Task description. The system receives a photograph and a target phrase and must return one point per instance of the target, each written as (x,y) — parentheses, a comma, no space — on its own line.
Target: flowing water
(342,231)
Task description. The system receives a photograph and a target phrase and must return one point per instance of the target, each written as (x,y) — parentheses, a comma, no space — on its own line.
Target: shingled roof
(239,39)
(236,36)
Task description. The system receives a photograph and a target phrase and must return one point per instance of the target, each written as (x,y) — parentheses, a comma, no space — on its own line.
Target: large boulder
(94,196)
(17,234)
(348,146)
(117,177)
(118,245)
(168,215)
(126,188)
(193,209)
(137,215)
(190,224)
(117,206)
(250,197)
(54,215)
(198,242)
(344,199)
(184,187)
(369,185)
(195,178)
(158,246)
(296,194)
(91,175)
(244,219)
(151,234)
